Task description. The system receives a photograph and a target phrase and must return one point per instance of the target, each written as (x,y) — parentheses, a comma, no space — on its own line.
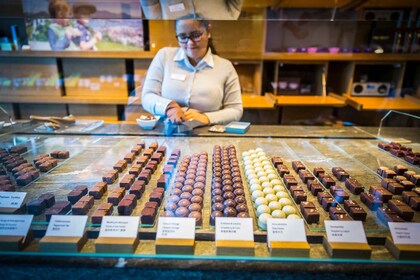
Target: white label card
(285,230)
(116,226)
(405,233)
(69,226)
(178,77)
(15,225)
(176,7)
(11,199)
(176,228)
(234,229)
(345,231)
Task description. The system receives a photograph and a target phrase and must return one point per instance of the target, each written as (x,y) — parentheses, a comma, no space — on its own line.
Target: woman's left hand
(192,114)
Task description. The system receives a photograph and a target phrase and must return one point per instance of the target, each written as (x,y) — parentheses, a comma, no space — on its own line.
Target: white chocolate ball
(256,194)
(268,191)
(274,205)
(256,160)
(251,151)
(271,197)
(293,216)
(261,173)
(255,187)
(285,202)
(254,181)
(279,188)
(257,164)
(258,169)
(259,150)
(275,182)
(271,171)
(289,210)
(263,179)
(263,159)
(246,158)
(265,162)
(247,162)
(271,176)
(263,209)
(282,194)
(253,156)
(266,185)
(262,221)
(260,201)
(252,176)
(278,214)
(244,154)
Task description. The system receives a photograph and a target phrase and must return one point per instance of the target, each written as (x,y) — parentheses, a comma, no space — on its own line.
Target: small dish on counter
(148,122)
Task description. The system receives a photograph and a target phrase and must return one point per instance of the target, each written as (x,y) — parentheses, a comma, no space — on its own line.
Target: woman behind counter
(191,82)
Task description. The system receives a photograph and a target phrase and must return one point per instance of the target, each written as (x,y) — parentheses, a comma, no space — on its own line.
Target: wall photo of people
(70,27)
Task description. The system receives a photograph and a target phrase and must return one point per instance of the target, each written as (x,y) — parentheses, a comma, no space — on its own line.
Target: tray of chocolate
(227,195)
(398,150)
(185,196)
(268,193)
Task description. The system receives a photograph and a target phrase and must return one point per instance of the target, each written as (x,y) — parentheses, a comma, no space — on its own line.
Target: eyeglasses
(193,36)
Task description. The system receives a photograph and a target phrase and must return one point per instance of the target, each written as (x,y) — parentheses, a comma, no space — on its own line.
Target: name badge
(176,8)
(178,77)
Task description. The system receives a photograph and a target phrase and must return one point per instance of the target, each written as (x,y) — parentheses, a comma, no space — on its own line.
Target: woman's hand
(192,114)
(174,113)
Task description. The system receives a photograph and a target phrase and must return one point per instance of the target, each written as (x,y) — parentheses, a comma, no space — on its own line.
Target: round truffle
(239,192)
(228,195)
(171,206)
(229,203)
(173,198)
(180,173)
(226,177)
(190,176)
(199,185)
(227,188)
(216,186)
(197,192)
(242,207)
(214,215)
(186,195)
(194,207)
(243,215)
(200,173)
(216,192)
(230,212)
(189,182)
(240,199)
(197,216)
(178,185)
(217,180)
(238,185)
(184,203)
(217,198)
(196,199)
(167,214)
(182,212)
(187,188)
(179,179)
(176,192)
(218,206)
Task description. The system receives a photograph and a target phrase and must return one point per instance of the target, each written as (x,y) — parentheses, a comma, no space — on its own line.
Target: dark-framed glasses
(193,36)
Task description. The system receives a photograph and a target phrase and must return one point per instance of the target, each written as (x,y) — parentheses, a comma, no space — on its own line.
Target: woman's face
(194,50)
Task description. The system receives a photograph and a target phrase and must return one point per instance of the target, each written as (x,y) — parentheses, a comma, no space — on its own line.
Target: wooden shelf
(47,99)
(382,103)
(252,101)
(340,57)
(313,101)
(80,54)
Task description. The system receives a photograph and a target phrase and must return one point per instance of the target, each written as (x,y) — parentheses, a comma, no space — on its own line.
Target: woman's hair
(203,23)
(59,9)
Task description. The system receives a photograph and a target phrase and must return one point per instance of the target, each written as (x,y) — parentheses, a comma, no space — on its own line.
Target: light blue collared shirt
(211,87)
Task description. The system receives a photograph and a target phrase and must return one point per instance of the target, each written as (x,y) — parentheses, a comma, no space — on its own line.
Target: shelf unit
(332,72)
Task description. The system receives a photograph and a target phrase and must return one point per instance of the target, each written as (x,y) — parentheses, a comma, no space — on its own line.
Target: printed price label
(285,230)
(405,233)
(11,199)
(69,226)
(234,229)
(345,231)
(176,228)
(15,225)
(115,226)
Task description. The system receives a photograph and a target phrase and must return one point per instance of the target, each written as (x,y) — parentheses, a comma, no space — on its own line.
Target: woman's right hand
(175,113)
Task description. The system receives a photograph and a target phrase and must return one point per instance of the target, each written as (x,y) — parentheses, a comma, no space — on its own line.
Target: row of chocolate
(270,197)
(186,194)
